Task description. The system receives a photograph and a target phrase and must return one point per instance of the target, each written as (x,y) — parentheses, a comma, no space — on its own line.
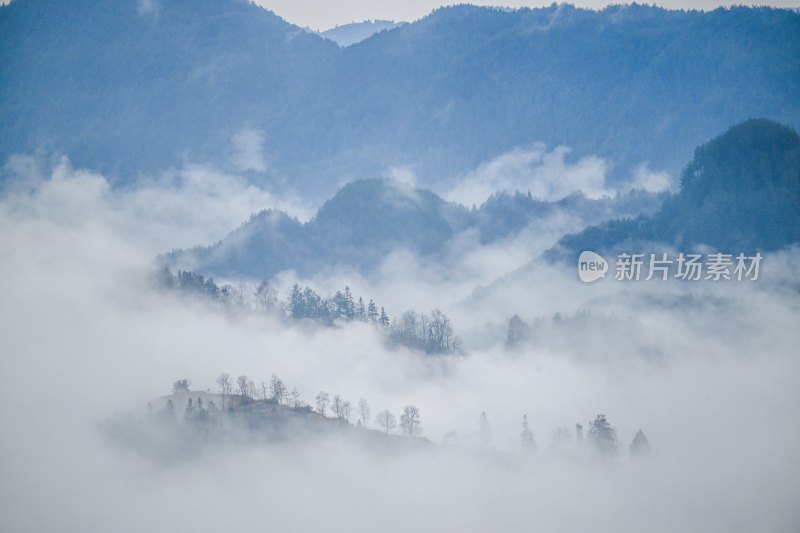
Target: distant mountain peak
(355,32)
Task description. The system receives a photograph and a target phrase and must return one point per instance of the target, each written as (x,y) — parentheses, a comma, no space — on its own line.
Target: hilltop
(740,193)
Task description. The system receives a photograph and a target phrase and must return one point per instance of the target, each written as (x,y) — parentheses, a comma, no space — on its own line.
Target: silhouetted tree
(526,437)
(225,383)
(383,321)
(337,406)
(277,389)
(363,411)
(266,296)
(188,413)
(182,385)
(243,386)
(168,413)
(603,437)
(361,310)
(386,421)
(322,399)
(640,446)
(516,331)
(294,398)
(372,312)
(410,422)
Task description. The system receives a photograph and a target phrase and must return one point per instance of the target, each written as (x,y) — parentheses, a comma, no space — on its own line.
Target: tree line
(432,333)
(599,441)
(243,390)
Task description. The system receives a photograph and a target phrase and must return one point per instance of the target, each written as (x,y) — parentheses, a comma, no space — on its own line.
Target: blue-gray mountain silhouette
(740,193)
(126,90)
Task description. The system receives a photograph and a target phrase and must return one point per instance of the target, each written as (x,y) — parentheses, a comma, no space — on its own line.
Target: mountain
(740,193)
(130,88)
(368,219)
(353,33)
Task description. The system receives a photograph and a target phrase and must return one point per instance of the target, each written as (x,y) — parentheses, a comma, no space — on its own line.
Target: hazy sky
(324,15)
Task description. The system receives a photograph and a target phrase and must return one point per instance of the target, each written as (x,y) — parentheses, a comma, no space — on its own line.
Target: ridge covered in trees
(239,411)
(431,333)
(740,193)
(630,83)
(368,219)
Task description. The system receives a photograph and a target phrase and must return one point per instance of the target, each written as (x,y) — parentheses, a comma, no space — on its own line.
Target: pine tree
(296,307)
(349,304)
(361,311)
(384,319)
(516,331)
(603,436)
(526,437)
(168,413)
(372,312)
(640,446)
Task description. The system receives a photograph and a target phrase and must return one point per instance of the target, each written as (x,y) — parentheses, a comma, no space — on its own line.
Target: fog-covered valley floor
(708,371)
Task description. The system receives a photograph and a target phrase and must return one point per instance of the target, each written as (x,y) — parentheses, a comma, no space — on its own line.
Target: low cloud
(650,180)
(546,173)
(550,175)
(192,205)
(248,151)
(83,333)
(147,7)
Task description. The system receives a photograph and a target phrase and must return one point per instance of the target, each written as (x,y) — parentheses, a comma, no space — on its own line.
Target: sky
(319,15)
(324,15)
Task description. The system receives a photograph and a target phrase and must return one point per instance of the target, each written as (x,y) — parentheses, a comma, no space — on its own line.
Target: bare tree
(323,399)
(336,405)
(294,399)
(363,411)
(341,408)
(386,421)
(225,383)
(410,422)
(251,389)
(266,296)
(406,328)
(277,389)
(264,391)
(433,334)
(441,337)
(346,410)
(243,386)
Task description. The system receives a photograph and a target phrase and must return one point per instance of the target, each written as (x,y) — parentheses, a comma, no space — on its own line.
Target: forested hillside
(129,88)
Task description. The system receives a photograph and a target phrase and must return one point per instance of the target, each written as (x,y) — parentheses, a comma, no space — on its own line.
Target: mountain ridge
(130,93)
(368,219)
(739,193)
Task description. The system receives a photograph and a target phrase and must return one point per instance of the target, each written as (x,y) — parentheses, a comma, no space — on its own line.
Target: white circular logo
(591,266)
